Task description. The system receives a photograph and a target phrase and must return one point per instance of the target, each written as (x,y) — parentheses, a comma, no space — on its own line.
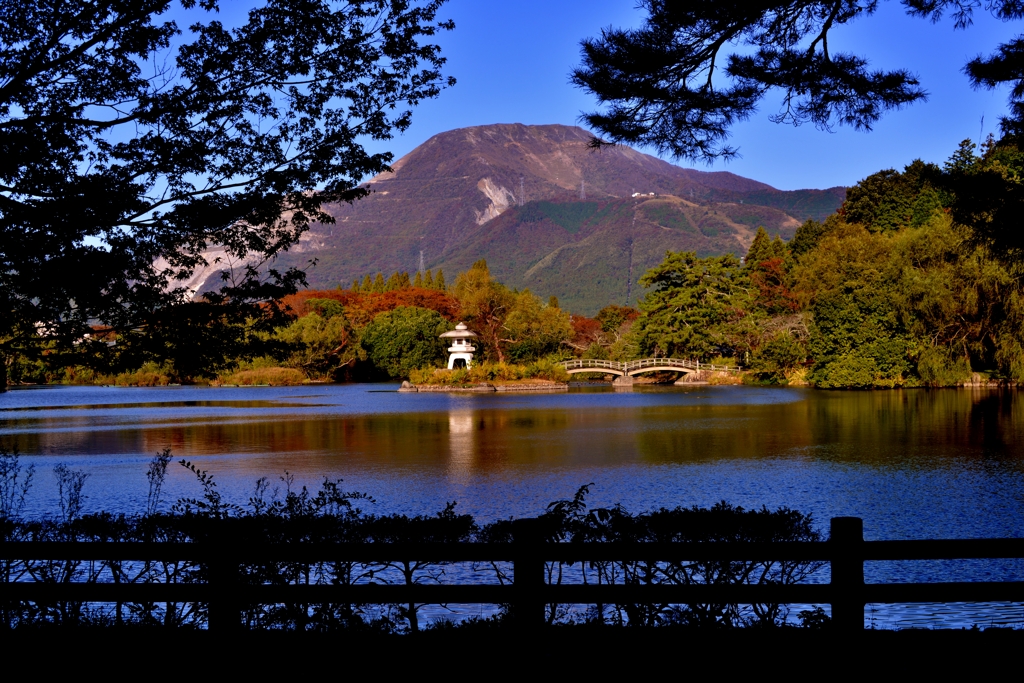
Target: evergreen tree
(378,284)
(807,237)
(890,200)
(394,282)
(355,285)
(760,249)
(428,281)
(682,78)
(689,305)
(367,285)
(553,301)
(963,158)
(988,196)
(418,280)
(439,281)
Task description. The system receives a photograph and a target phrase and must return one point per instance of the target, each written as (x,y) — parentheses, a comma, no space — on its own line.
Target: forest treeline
(382,327)
(889,291)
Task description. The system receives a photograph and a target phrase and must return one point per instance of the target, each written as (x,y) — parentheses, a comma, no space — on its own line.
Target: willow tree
(136,153)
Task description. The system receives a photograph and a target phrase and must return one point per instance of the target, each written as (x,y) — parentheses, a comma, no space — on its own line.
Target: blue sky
(512,62)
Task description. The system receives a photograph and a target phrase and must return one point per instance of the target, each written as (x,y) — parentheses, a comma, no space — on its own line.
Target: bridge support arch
(597,371)
(666,368)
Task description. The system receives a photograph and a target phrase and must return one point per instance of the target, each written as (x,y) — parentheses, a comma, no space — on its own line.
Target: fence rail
(528,593)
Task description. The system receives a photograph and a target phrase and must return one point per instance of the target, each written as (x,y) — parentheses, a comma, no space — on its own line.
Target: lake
(913,464)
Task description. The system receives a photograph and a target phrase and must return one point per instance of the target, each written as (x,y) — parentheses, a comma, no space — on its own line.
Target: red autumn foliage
(298,302)
(362,311)
(772,293)
(585,331)
(361,308)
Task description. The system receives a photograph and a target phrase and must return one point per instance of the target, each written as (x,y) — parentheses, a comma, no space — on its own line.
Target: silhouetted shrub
(295,516)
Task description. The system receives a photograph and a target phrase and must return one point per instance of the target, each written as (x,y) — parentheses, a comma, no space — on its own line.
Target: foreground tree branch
(131,146)
(668,85)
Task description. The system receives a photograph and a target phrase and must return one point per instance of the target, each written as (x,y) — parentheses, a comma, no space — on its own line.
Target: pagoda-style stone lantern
(461,349)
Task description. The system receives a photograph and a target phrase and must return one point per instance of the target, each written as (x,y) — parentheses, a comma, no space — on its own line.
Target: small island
(531,385)
(462,375)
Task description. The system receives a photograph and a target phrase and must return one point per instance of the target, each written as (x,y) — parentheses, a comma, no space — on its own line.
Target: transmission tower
(522,193)
(422,267)
(583,189)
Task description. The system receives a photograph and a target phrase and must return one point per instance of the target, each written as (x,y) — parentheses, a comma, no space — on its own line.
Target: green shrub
(319,344)
(851,371)
(399,341)
(596,352)
(332,516)
(936,367)
(149,375)
(27,371)
(276,376)
(776,358)
(542,369)
(81,375)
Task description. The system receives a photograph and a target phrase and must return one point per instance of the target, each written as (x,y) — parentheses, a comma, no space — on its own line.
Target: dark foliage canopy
(695,68)
(131,146)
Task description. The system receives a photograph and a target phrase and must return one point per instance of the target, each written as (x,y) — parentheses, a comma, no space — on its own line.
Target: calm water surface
(912,464)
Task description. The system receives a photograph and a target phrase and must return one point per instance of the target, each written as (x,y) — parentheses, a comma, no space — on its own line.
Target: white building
(461,349)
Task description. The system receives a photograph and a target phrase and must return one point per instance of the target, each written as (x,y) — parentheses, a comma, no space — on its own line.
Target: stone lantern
(461,349)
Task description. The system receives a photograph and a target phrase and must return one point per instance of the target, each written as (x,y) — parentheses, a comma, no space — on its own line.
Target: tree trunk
(3,374)
(497,345)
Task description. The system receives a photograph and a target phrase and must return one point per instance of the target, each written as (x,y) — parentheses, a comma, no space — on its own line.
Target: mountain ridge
(506,192)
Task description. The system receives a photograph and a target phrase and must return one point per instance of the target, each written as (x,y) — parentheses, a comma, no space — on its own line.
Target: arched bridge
(638,367)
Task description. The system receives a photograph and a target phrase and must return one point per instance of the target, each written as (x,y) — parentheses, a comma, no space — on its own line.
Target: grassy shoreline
(538,372)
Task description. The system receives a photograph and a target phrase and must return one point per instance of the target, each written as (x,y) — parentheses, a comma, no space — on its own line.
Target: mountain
(547,212)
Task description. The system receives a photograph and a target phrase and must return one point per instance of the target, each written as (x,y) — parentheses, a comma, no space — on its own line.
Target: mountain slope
(514,194)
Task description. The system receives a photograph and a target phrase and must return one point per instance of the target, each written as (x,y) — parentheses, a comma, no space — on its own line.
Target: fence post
(528,579)
(847,534)
(225,610)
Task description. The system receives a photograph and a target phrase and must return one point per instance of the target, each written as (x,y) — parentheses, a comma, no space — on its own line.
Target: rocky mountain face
(547,212)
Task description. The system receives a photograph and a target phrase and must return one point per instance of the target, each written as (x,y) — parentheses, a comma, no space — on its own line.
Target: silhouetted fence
(226,593)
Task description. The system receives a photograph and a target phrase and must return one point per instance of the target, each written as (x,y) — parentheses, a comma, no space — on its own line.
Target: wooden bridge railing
(528,594)
(633,367)
(592,363)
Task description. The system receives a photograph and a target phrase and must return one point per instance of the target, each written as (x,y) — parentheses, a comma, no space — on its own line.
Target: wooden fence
(529,593)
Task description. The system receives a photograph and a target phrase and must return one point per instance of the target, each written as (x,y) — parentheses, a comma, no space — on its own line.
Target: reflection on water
(160,404)
(913,464)
(460,444)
